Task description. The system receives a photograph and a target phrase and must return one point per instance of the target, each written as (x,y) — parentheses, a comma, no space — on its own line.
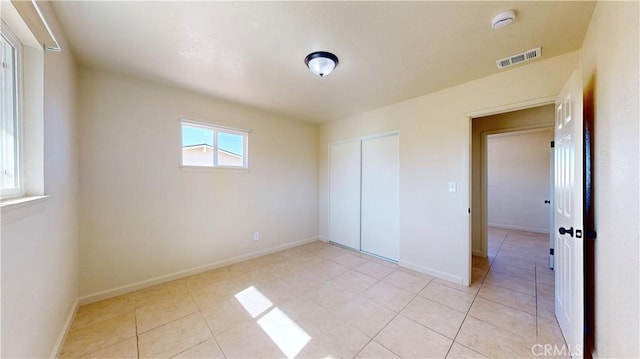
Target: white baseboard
(324,239)
(188,272)
(65,329)
(432,272)
(519,228)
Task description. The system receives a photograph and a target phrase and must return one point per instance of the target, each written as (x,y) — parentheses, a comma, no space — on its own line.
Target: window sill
(206,169)
(13,209)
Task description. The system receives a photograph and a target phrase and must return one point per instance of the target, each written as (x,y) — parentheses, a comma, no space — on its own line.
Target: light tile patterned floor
(323,301)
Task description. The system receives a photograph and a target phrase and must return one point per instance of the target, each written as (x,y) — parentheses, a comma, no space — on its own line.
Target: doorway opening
(512,180)
(517,130)
(518,186)
(511,165)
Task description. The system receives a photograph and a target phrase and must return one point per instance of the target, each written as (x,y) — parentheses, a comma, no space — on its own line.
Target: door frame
(543,101)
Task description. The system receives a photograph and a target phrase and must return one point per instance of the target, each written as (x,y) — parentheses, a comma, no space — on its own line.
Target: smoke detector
(503,19)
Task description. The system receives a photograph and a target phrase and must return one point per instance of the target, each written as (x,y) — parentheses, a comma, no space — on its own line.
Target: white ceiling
(253,52)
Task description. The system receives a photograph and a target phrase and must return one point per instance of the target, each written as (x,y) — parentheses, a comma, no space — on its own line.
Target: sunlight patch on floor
(253,301)
(282,330)
(287,335)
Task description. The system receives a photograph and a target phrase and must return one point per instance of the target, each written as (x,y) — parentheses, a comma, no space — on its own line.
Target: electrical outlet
(453,187)
(256,236)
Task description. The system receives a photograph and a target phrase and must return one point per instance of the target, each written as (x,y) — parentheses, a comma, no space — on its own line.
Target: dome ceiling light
(321,63)
(503,19)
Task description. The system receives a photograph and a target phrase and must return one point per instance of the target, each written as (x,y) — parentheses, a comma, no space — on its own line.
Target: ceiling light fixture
(321,63)
(503,19)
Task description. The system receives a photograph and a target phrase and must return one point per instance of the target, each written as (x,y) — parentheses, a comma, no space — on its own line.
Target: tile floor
(323,301)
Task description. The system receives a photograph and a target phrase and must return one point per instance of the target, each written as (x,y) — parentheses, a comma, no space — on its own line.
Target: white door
(569,291)
(344,194)
(380,197)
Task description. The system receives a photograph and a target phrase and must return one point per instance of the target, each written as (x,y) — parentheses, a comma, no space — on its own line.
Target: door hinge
(468,210)
(550,251)
(553,144)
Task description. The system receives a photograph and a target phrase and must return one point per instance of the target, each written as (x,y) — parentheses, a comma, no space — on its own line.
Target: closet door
(380,196)
(344,194)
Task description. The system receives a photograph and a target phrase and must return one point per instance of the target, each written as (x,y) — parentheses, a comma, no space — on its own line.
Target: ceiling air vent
(518,58)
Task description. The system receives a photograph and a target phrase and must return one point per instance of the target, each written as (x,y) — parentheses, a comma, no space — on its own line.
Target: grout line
(213,336)
(462,345)
(476,294)
(135,319)
(395,316)
(381,280)
(506,305)
(169,322)
(335,306)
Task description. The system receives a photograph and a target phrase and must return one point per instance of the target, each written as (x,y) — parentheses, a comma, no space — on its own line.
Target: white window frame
(13,40)
(216,129)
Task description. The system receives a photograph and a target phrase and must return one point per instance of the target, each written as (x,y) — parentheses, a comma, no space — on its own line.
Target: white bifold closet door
(380,198)
(363,195)
(344,194)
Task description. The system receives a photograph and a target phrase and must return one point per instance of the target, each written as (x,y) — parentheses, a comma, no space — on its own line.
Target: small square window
(211,146)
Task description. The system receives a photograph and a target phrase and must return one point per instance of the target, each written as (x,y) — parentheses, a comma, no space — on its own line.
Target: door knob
(547,201)
(569,231)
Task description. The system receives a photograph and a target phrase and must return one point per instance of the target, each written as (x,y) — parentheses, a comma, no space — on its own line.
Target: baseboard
(324,239)
(65,330)
(185,273)
(519,228)
(432,272)
(478,253)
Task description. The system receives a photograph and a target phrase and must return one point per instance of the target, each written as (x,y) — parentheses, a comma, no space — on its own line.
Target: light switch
(453,187)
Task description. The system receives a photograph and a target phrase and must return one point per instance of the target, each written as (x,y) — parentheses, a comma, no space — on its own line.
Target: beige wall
(518,180)
(145,218)
(434,150)
(609,61)
(530,118)
(40,250)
